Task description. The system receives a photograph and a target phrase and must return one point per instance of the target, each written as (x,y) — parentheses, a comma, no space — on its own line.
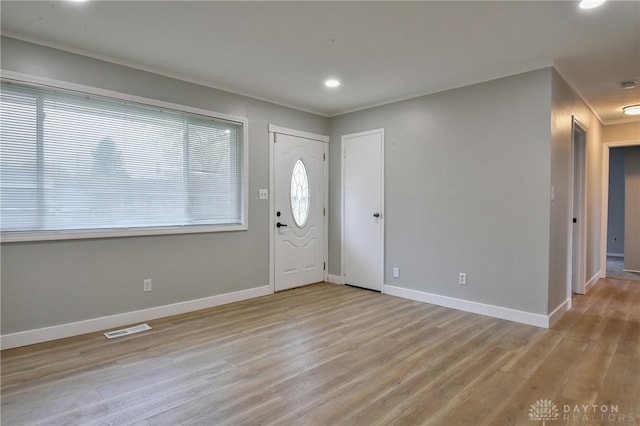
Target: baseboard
(592,282)
(559,311)
(335,279)
(509,314)
(30,337)
(615,254)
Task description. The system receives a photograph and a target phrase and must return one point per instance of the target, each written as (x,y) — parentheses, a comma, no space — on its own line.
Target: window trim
(21,236)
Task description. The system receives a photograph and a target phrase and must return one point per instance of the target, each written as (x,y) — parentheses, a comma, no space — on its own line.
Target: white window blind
(74,162)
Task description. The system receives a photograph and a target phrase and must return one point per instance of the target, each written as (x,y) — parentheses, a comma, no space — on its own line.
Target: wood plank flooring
(335,355)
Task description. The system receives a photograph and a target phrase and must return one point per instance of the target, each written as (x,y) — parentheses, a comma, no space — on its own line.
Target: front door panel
(299,205)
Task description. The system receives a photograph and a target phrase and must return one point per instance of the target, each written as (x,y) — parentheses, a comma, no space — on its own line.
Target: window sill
(15,237)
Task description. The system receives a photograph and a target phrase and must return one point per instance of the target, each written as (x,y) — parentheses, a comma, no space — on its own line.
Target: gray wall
(624,132)
(615,215)
(632,208)
(50,283)
(565,103)
(467,175)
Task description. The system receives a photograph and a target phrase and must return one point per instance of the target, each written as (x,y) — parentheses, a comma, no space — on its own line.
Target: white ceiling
(381,51)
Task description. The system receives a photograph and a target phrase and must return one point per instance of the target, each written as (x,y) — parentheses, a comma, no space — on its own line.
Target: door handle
(376,215)
(280,225)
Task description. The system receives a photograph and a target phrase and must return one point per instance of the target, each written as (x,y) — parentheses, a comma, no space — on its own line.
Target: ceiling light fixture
(591,4)
(332,83)
(628,84)
(632,110)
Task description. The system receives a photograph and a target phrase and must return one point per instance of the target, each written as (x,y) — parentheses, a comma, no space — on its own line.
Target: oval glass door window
(300,193)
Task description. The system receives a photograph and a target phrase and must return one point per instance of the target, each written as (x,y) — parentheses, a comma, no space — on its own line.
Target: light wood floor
(336,355)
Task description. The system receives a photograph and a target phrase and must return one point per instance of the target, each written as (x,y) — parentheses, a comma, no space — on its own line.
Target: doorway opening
(613,265)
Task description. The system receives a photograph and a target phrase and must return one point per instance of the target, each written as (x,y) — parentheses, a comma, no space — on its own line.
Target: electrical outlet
(396,272)
(462,278)
(147,284)
(263,194)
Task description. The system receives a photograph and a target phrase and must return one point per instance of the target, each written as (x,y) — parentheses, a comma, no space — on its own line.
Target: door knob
(376,214)
(280,225)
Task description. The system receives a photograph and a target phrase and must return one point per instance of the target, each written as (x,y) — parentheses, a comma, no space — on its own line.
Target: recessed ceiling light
(632,110)
(332,83)
(590,4)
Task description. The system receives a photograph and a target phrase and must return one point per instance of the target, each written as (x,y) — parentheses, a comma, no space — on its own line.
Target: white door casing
(299,241)
(362,209)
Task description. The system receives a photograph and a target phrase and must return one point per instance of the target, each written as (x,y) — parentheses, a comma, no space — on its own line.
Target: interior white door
(362,189)
(578,227)
(299,211)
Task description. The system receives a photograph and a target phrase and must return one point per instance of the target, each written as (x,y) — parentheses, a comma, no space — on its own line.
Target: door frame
(273,129)
(578,255)
(342,202)
(605,198)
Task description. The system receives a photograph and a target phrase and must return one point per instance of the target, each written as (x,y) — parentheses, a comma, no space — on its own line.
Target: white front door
(362,204)
(298,187)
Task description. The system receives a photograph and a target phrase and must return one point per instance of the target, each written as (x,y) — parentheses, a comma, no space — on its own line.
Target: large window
(76,164)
